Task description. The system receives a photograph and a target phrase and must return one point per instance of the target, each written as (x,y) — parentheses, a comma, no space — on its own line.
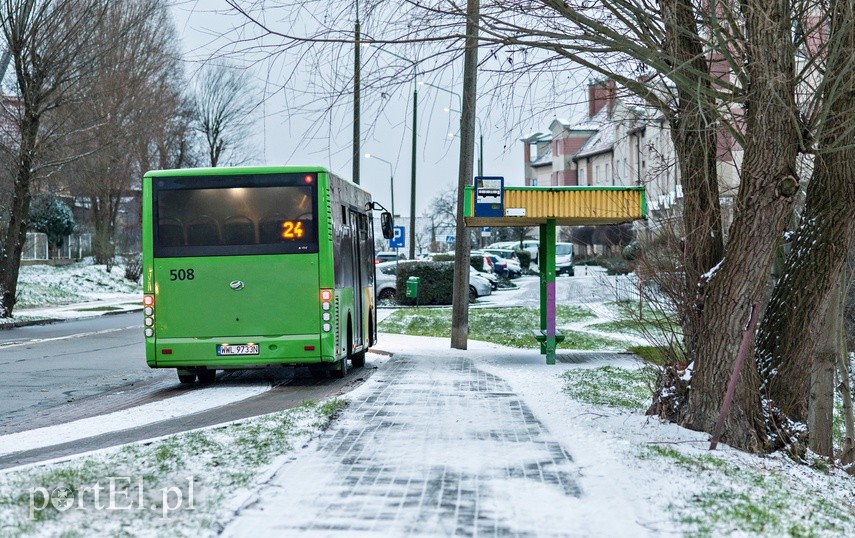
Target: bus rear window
(234,215)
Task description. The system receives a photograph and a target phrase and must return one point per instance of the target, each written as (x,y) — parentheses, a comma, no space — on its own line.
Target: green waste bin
(413,287)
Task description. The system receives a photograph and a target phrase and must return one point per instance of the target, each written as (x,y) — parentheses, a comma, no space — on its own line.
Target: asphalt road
(46,367)
(57,373)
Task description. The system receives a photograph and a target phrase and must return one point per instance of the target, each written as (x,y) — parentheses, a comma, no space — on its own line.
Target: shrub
(133,267)
(436,282)
(49,215)
(475,261)
(524,256)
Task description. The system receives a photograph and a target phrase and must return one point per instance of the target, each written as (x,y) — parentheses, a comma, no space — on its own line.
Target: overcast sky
(288,136)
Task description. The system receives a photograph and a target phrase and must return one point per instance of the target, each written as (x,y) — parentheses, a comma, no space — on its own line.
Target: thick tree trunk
(820,244)
(16,230)
(693,131)
(766,195)
(827,330)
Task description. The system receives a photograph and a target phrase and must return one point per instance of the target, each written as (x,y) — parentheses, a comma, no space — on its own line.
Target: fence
(35,247)
(75,247)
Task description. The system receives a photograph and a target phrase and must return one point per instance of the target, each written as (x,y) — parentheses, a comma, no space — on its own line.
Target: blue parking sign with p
(397,240)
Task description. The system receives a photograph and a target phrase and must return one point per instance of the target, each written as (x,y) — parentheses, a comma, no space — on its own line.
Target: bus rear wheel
(338,369)
(318,371)
(207,375)
(186,377)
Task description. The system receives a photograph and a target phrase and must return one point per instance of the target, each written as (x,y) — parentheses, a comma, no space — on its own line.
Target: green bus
(255,266)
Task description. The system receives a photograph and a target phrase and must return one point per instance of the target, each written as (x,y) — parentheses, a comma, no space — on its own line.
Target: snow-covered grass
(733,493)
(510,326)
(40,285)
(181,485)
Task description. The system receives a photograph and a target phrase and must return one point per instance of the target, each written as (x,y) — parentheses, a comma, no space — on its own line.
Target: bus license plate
(239,349)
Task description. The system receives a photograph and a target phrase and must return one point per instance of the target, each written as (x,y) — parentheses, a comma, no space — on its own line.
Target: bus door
(356,270)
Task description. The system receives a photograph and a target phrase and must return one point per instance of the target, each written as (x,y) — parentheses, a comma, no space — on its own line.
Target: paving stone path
(432,445)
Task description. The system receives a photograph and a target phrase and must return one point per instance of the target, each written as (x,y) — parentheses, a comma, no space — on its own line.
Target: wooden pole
(734,376)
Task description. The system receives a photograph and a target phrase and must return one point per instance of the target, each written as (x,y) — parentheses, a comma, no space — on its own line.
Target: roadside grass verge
(764,497)
(610,386)
(173,486)
(40,285)
(731,493)
(510,326)
(642,323)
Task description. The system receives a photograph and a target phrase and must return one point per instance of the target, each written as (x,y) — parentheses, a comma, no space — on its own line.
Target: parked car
(495,264)
(389,256)
(510,258)
(385,282)
(531,245)
(564,259)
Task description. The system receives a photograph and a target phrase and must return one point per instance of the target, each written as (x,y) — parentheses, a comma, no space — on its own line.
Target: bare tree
(48,43)
(224,110)
(132,88)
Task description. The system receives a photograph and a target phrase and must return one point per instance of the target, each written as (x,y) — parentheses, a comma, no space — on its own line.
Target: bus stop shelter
(489,203)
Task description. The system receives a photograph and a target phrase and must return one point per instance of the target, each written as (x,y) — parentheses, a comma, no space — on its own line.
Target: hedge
(436,282)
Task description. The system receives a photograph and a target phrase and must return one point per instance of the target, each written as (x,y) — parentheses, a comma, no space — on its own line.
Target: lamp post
(412,249)
(480,141)
(391,186)
(391,177)
(480,130)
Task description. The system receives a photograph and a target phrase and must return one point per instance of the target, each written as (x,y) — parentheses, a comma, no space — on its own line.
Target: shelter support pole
(546,261)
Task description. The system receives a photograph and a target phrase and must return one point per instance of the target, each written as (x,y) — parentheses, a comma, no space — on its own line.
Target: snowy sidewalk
(434,444)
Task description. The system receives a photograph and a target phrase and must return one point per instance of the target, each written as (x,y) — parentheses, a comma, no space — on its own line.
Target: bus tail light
(148,311)
(326,305)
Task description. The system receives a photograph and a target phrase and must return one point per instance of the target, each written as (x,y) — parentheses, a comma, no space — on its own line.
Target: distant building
(621,142)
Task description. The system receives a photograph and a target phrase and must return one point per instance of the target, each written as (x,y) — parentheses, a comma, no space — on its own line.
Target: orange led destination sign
(292,229)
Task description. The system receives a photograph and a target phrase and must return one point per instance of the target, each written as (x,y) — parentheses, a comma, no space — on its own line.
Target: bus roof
(233,170)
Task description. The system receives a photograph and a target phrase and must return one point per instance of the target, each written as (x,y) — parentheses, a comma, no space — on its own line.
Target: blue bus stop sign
(489,196)
(397,240)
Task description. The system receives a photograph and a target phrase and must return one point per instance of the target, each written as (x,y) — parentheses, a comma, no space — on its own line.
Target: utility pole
(356,97)
(413,170)
(460,305)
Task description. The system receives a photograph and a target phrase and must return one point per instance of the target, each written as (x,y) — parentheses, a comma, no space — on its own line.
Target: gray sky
(286,136)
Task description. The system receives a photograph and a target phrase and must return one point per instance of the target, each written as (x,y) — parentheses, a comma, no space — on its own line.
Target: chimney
(600,94)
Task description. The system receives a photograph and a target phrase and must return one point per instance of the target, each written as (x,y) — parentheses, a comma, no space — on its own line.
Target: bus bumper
(194,352)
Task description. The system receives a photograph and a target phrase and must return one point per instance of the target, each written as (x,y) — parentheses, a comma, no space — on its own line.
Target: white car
(564,259)
(531,245)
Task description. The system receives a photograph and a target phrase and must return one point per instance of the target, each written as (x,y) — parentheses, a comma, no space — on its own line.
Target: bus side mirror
(386,225)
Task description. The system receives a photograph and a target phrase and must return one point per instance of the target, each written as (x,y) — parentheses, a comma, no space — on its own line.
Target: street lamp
(480,141)
(391,185)
(391,177)
(460,106)
(413,170)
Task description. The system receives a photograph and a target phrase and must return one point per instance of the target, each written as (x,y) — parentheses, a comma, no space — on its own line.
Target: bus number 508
(181,274)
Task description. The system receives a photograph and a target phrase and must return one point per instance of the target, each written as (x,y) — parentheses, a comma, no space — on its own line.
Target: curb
(48,321)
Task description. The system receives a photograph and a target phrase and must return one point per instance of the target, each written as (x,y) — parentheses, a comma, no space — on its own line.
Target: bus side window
(170,233)
(202,231)
(238,230)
